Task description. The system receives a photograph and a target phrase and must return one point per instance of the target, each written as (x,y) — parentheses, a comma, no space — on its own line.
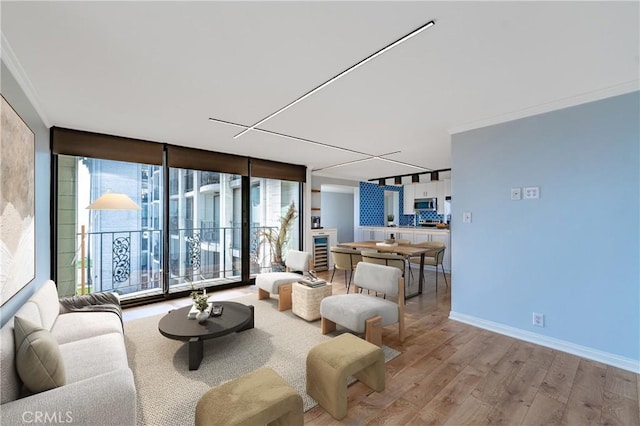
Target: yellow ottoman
(258,398)
(330,363)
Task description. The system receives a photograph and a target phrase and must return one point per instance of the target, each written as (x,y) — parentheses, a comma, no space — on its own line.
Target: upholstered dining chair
(433,260)
(387,259)
(345,259)
(365,313)
(280,282)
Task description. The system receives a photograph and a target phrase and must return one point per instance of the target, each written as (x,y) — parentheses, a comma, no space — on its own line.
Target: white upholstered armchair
(365,313)
(280,282)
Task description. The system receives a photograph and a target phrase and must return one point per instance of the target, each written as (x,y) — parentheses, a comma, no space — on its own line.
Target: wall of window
(201,220)
(108,250)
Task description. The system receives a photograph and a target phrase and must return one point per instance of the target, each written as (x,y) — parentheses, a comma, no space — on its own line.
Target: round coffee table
(175,325)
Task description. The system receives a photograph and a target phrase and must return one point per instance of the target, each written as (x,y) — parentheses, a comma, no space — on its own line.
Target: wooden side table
(306,300)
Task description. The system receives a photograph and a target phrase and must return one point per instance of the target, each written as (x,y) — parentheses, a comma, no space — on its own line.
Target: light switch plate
(516,193)
(466,217)
(531,192)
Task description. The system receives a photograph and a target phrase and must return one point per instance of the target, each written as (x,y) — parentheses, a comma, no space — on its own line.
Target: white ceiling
(159,70)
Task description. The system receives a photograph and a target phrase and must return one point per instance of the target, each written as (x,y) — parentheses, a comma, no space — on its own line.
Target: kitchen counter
(407,227)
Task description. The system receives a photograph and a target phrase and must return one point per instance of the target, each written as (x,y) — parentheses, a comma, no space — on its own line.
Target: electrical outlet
(532,192)
(466,217)
(516,193)
(538,319)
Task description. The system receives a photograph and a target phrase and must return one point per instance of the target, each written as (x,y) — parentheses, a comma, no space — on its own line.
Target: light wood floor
(452,373)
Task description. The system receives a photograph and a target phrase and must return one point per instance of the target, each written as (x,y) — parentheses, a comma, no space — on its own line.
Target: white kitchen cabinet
(378,235)
(371,234)
(447,187)
(444,190)
(409,197)
(400,234)
(426,190)
(418,190)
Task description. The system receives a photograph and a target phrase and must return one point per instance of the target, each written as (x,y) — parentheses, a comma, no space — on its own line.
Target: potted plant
(279,238)
(200,301)
(390,218)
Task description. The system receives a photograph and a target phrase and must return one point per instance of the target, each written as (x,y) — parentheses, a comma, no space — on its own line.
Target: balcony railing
(124,262)
(130,262)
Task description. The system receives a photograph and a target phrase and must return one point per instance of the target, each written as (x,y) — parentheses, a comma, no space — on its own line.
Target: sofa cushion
(80,325)
(38,359)
(90,357)
(10,384)
(47,300)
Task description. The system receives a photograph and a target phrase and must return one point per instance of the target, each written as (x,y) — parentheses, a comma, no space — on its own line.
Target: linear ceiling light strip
(269,132)
(341,74)
(309,141)
(373,157)
(402,163)
(338,148)
(362,160)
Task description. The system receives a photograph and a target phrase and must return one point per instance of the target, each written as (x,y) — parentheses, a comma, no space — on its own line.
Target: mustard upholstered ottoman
(258,398)
(330,363)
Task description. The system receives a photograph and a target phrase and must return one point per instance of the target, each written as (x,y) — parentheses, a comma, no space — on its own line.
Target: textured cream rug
(168,391)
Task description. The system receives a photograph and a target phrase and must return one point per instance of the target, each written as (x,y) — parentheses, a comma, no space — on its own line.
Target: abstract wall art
(17,203)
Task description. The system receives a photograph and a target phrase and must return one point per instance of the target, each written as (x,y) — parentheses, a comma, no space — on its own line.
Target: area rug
(167,392)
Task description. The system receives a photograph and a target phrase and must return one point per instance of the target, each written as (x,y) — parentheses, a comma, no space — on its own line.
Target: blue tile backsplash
(372,206)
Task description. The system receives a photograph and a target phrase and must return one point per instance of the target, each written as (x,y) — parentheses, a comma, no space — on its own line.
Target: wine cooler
(321,252)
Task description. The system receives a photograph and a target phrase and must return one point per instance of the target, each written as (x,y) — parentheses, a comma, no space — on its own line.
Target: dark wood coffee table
(175,325)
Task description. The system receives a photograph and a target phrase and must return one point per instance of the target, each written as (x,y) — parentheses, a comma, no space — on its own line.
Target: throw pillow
(38,359)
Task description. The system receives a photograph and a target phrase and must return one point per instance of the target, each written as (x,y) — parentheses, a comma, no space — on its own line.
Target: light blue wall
(572,254)
(18,100)
(337,212)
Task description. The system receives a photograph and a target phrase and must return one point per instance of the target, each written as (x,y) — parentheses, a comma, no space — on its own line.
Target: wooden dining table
(407,250)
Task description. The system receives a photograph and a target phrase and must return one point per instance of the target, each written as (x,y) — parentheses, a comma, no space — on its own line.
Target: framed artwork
(17,203)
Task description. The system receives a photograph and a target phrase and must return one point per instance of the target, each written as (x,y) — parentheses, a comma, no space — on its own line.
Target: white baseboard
(550,342)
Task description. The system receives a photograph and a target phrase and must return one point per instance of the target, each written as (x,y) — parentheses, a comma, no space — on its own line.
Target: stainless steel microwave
(425,204)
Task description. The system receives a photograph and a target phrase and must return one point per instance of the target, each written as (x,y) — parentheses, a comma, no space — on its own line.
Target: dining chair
(434,259)
(345,259)
(387,259)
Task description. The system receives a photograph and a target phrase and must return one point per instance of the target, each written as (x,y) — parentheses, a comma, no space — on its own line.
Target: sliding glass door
(205,228)
(108,247)
(271,200)
(145,219)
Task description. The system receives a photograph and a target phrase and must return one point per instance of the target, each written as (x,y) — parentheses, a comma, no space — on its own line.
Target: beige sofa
(99,386)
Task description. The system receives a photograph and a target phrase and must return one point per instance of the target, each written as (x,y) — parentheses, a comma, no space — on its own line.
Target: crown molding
(596,95)
(13,65)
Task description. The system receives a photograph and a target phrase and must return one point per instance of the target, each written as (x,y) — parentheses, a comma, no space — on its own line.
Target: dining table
(407,250)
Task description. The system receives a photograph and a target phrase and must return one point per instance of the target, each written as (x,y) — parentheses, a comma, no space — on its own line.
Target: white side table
(306,300)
